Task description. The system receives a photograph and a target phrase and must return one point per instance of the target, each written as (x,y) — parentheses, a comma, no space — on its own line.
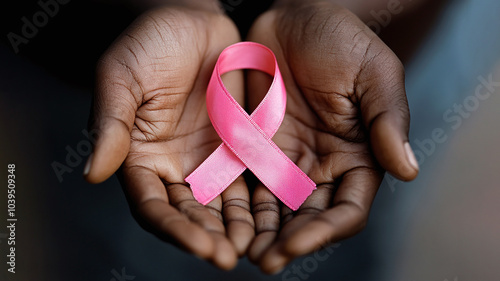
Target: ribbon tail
(215,174)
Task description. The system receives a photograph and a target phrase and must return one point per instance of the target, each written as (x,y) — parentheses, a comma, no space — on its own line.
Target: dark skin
(150,115)
(346,122)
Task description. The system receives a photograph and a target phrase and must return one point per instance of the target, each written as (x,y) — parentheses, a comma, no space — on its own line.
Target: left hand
(346,121)
(150,118)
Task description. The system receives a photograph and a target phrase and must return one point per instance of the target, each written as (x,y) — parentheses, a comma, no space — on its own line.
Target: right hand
(346,121)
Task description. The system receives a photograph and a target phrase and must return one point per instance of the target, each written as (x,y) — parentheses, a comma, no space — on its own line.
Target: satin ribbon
(247,139)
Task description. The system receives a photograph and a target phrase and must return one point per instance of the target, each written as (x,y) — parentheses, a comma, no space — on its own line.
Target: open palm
(346,121)
(150,116)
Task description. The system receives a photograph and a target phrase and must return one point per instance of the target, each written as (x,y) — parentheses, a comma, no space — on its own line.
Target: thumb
(111,120)
(385,113)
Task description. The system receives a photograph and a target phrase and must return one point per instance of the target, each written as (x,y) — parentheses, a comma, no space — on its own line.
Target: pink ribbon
(247,139)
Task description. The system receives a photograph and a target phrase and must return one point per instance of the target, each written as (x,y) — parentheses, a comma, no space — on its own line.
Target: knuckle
(266,207)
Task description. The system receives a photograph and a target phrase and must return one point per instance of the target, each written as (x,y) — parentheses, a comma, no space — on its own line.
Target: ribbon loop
(247,139)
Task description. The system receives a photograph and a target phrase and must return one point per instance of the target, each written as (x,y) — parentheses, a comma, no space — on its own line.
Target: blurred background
(442,226)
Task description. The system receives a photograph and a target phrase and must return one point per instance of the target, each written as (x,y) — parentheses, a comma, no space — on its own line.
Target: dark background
(72,41)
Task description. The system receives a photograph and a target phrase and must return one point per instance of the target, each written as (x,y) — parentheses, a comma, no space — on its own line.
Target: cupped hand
(150,116)
(346,122)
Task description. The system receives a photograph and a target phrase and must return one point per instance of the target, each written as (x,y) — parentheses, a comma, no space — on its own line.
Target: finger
(319,201)
(150,204)
(237,216)
(316,203)
(384,109)
(286,215)
(209,218)
(347,217)
(225,256)
(266,213)
(112,118)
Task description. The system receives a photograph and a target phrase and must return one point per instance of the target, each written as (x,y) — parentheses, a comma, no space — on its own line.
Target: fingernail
(411,156)
(86,170)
